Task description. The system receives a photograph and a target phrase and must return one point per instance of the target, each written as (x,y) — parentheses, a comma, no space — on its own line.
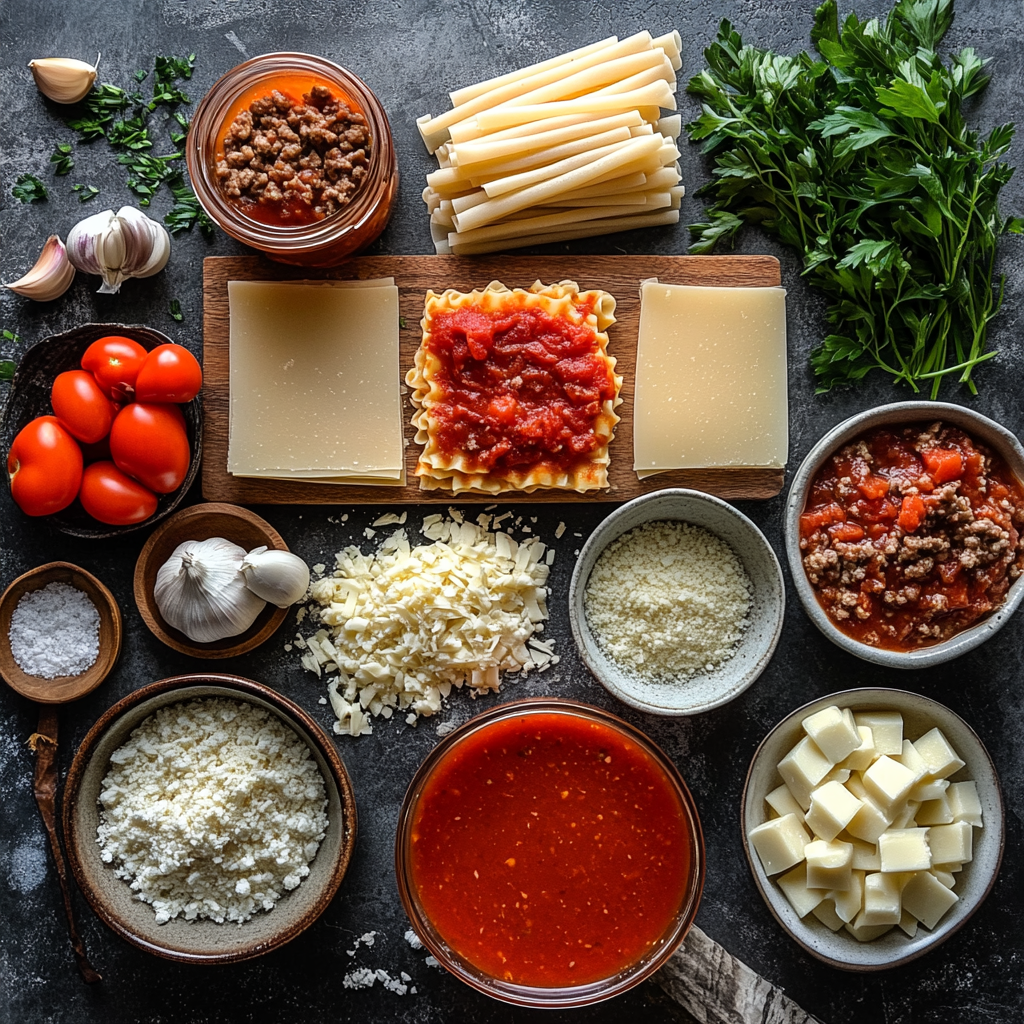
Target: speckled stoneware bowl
(973,883)
(981,428)
(203,942)
(706,690)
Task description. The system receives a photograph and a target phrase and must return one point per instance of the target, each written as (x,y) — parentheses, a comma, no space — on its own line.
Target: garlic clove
(147,243)
(82,241)
(63,79)
(50,277)
(161,253)
(279,577)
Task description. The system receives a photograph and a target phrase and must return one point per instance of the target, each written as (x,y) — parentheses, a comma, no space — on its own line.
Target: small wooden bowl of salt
(52,633)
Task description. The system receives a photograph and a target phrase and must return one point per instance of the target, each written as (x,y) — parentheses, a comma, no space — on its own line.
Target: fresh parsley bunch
(863,162)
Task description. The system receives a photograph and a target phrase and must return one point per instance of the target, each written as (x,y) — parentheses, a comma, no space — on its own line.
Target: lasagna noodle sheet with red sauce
(515,389)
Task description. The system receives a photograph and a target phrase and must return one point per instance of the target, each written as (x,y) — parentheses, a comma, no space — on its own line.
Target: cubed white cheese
(869,822)
(881,900)
(825,912)
(829,865)
(964,802)
(905,849)
(887,783)
(953,843)
(886,729)
(782,802)
(860,759)
(834,731)
(832,808)
(927,899)
(937,753)
(802,898)
(779,843)
(803,768)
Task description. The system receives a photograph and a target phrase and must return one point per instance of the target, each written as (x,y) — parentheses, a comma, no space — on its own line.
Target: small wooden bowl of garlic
(216,581)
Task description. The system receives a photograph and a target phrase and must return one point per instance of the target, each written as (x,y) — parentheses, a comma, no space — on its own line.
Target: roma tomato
(148,442)
(81,406)
(44,466)
(115,361)
(110,496)
(170,374)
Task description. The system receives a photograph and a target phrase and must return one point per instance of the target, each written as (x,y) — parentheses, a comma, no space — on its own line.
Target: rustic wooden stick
(716,988)
(44,784)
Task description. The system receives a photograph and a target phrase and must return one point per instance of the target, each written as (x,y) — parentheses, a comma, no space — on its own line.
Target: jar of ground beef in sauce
(549,854)
(293,155)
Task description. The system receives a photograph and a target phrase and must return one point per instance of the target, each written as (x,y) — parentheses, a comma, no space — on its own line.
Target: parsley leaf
(186,211)
(29,189)
(62,159)
(7,369)
(85,192)
(166,72)
(860,158)
(10,336)
(176,312)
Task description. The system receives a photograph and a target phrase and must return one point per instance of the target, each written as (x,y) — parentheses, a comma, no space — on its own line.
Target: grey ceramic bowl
(981,428)
(706,690)
(973,883)
(204,941)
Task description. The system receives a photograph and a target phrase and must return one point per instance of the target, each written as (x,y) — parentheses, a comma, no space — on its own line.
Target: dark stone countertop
(411,52)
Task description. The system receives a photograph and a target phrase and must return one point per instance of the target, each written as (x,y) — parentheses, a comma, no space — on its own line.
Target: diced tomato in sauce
(518,388)
(926,556)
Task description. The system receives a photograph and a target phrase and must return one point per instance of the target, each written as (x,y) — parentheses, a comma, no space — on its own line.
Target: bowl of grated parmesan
(208,819)
(676,602)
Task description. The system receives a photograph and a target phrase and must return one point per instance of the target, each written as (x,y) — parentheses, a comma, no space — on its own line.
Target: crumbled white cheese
(559,530)
(405,625)
(668,600)
(211,809)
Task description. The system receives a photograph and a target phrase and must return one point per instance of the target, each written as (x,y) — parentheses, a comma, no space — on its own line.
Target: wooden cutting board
(619,275)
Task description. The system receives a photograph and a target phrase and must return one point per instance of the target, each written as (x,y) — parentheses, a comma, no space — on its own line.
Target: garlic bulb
(118,246)
(63,79)
(50,277)
(201,591)
(279,577)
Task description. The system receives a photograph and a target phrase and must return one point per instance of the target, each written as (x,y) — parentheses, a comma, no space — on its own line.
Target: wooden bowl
(30,397)
(62,688)
(203,941)
(201,522)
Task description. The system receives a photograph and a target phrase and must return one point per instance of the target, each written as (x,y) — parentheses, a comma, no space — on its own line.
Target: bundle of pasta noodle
(572,147)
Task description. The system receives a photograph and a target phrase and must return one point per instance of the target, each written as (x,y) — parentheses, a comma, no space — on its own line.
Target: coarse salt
(55,631)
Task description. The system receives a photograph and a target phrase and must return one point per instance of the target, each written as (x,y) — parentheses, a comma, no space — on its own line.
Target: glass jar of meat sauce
(319,243)
(549,854)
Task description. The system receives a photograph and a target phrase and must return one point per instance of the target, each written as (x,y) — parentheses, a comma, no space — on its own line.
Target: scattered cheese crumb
(413,939)
(369,534)
(559,530)
(319,569)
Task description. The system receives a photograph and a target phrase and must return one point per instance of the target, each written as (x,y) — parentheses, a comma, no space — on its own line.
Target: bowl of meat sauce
(549,854)
(905,532)
(292,154)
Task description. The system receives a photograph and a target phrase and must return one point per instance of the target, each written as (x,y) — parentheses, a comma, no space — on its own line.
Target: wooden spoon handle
(44,785)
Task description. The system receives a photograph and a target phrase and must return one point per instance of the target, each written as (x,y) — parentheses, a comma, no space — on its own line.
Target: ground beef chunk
(305,160)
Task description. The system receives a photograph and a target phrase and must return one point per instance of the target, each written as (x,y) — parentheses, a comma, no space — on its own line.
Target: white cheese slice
(315,381)
(710,378)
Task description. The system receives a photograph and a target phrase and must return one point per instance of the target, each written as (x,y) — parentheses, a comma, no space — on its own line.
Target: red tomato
(170,374)
(148,442)
(111,497)
(44,466)
(81,406)
(115,361)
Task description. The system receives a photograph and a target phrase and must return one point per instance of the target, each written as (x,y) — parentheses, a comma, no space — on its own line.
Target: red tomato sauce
(520,388)
(550,851)
(912,534)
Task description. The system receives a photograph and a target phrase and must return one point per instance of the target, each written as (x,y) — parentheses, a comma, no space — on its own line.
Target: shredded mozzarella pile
(408,623)
(211,809)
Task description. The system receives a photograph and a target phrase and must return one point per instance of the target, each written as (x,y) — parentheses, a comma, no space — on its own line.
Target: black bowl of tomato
(31,396)
(905,532)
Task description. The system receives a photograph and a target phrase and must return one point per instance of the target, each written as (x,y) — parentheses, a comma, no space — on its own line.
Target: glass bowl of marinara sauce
(905,532)
(293,155)
(549,854)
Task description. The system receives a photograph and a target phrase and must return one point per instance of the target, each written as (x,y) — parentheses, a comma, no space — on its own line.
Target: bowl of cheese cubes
(873,825)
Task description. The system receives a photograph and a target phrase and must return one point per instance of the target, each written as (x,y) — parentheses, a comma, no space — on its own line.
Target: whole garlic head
(118,246)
